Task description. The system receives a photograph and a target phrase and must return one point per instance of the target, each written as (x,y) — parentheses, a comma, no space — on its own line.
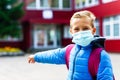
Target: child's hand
(31,59)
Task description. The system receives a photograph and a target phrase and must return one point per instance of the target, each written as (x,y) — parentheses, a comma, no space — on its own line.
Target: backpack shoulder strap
(67,54)
(94,61)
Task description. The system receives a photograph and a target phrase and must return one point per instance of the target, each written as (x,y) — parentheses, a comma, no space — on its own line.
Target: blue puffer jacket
(78,65)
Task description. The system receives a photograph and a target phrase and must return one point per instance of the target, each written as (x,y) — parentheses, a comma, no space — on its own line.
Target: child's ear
(94,30)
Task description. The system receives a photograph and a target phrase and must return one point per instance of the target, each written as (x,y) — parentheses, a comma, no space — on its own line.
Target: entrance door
(45,36)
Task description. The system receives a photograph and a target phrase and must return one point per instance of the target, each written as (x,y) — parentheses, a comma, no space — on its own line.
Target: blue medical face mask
(83,38)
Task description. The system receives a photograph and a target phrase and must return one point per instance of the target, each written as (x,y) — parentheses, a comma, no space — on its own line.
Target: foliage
(10,13)
(10,51)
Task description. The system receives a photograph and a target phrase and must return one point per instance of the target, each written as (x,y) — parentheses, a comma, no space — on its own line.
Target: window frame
(107,1)
(87,4)
(111,23)
(60,6)
(97,26)
(67,33)
(44,28)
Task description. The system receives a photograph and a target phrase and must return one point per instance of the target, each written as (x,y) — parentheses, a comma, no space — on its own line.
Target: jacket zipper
(74,64)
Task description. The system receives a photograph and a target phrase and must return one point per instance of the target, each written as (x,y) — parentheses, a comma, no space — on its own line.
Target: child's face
(81,24)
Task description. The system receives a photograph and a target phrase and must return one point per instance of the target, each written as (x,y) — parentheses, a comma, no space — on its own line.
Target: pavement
(17,68)
(115,58)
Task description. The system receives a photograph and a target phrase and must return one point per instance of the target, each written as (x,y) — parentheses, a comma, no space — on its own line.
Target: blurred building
(46,22)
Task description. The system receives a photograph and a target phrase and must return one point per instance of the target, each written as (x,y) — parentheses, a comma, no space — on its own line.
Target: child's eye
(76,29)
(85,28)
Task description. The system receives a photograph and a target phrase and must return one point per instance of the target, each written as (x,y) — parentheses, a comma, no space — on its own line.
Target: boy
(82,30)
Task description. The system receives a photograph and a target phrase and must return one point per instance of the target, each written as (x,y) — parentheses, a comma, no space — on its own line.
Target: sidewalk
(17,68)
(115,58)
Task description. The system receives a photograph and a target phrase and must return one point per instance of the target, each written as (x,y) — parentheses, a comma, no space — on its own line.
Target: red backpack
(93,62)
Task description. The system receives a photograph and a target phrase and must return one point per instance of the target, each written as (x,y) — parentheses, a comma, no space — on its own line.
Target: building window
(66,32)
(48,4)
(31,4)
(46,36)
(116,29)
(107,1)
(111,26)
(96,24)
(85,3)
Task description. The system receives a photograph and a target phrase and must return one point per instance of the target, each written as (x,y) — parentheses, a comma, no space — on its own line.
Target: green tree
(10,13)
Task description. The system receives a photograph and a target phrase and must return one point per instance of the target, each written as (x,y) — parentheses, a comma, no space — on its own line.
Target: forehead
(80,22)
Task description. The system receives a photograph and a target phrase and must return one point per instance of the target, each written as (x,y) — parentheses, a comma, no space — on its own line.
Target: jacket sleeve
(105,71)
(56,56)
